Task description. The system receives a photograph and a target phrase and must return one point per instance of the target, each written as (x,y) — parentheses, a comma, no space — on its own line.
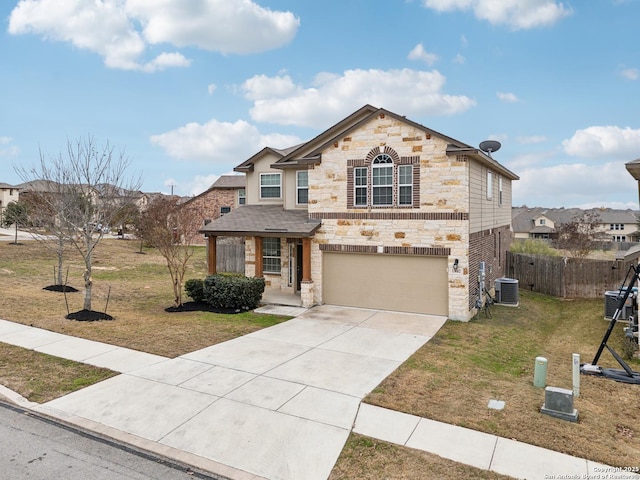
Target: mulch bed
(60,288)
(201,307)
(88,316)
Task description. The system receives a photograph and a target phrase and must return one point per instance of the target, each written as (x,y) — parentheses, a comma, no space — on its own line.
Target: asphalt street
(38,448)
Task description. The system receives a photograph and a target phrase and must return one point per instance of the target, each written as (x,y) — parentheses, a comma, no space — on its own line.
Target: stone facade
(438,220)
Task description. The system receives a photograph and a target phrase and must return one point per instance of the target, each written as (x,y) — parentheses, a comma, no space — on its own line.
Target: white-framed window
(224,210)
(360,186)
(500,191)
(382,180)
(302,187)
(616,226)
(270,185)
(405,185)
(619,238)
(542,221)
(271,255)
(242,196)
(489,185)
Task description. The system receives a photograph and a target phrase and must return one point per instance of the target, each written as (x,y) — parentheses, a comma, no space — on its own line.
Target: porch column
(211,254)
(258,258)
(306,259)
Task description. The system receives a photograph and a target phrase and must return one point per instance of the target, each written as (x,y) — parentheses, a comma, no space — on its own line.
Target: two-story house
(543,223)
(8,194)
(377,212)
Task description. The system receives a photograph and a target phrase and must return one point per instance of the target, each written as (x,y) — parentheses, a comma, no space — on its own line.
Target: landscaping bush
(194,287)
(233,292)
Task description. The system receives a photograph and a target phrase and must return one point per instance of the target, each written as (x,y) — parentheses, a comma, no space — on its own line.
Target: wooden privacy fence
(566,278)
(230,258)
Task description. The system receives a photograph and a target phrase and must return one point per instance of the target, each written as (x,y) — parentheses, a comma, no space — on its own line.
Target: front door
(298,267)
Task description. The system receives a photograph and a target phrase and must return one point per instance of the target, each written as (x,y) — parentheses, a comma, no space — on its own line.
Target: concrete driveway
(278,403)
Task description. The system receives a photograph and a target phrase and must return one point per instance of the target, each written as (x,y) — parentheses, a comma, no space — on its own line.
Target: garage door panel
(389,282)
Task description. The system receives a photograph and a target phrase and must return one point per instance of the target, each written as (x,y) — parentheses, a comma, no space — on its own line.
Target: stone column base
(306,294)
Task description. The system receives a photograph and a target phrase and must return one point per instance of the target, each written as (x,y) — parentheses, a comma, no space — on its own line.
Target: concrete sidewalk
(278,403)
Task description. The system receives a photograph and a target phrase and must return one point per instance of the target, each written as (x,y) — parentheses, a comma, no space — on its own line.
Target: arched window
(382,180)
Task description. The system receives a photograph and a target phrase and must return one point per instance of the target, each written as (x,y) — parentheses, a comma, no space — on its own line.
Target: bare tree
(172,229)
(91,190)
(579,237)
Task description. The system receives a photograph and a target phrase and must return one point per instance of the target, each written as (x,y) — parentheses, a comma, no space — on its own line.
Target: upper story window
(242,196)
(224,210)
(499,190)
(360,186)
(302,187)
(489,185)
(542,221)
(383,179)
(616,226)
(270,185)
(405,184)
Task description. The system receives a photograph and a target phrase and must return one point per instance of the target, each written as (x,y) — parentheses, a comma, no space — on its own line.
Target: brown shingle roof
(263,221)
(230,181)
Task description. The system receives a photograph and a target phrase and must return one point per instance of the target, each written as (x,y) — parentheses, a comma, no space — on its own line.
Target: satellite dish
(489,146)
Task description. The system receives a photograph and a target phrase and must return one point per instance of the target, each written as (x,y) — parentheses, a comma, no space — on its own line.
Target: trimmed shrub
(233,292)
(194,287)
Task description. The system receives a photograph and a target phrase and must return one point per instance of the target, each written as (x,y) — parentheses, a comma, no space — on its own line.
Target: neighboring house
(226,194)
(8,194)
(376,212)
(543,223)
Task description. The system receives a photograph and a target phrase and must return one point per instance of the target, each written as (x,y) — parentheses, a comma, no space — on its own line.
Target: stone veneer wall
(440,221)
(489,246)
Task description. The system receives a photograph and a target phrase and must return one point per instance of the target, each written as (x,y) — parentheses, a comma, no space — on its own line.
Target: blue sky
(191,88)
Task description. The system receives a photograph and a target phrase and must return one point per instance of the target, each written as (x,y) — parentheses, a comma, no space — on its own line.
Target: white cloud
(572,185)
(227,26)
(531,139)
(211,88)
(166,60)
(280,100)
(507,97)
(419,53)
(517,14)
(218,142)
(459,59)
(630,73)
(121,31)
(604,142)
(8,150)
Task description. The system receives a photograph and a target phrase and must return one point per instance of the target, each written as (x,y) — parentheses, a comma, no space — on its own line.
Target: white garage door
(403,283)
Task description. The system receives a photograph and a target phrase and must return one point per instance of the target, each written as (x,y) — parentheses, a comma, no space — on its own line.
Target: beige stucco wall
(444,188)
(263,165)
(486,213)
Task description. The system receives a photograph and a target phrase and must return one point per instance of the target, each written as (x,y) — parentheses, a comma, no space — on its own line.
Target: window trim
(500,199)
(357,187)
(489,184)
(279,186)
(242,196)
(300,189)
(265,256)
(405,185)
(377,167)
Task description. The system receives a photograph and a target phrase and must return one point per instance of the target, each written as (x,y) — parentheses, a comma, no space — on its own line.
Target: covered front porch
(277,248)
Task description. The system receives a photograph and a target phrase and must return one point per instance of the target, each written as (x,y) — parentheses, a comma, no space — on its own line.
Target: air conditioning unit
(611,301)
(507,291)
